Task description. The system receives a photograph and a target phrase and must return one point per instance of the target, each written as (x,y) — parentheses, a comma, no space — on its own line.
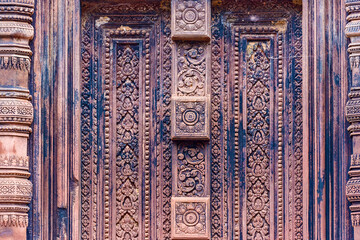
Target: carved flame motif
(190,15)
(127,153)
(191,68)
(191,169)
(257,140)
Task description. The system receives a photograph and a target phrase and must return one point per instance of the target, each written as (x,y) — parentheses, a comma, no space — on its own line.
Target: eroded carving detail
(14,220)
(14,161)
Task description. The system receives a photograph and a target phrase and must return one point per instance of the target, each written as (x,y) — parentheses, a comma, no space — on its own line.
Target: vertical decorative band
(190,203)
(16,115)
(352,31)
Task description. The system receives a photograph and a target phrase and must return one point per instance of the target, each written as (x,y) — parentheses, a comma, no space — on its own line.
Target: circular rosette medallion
(190,15)
(191,218)
(190,117)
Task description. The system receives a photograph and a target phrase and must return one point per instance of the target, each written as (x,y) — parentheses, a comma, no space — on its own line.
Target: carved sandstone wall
(16,115)
(352,31)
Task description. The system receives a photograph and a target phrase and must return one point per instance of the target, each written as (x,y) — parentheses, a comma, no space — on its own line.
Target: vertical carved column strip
(16,116)
(352,31)
(190,203)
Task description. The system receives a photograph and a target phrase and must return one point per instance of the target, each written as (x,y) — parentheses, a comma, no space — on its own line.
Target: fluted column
(352,31)
(16,115)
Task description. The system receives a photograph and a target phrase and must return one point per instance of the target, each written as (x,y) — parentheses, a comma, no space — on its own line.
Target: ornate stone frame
(55,142)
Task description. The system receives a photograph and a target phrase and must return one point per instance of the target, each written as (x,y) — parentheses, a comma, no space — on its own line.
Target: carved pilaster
(190,205)
(16,115)
(352,31)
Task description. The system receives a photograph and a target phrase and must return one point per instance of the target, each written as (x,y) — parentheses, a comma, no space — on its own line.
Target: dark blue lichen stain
(5,232)
(76,97)
(320,190)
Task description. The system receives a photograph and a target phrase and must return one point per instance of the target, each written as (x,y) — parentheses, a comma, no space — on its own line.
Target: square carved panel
(190,217)
(190,118)
(190,19)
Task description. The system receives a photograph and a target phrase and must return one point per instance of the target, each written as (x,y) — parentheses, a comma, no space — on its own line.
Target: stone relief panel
(191,69)
(191,169)
(153,90)
(190,90)
(190,19)
(190,118)
(116,191)
(127,142)
(269,124)
(189,215)
(258,78)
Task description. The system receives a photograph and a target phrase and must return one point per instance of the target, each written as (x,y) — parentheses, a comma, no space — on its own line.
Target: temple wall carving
(16,115)
(179,119)
(352,31)
(190,208)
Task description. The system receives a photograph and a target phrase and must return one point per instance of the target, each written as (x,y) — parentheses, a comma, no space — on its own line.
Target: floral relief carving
(190,19)
(175,174)
(191,169)
(190,218)
(190,119)
(258,139)
(190,15)
(191,69)
(127,132)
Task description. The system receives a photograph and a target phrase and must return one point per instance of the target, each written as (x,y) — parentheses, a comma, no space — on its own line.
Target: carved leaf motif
(191,69)
(127,132)
(258,137)
(191,169)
